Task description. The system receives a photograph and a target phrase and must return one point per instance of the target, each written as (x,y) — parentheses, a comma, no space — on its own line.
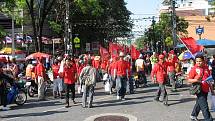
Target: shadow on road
(36,105)
(33,114)
(118,103)
(184,100)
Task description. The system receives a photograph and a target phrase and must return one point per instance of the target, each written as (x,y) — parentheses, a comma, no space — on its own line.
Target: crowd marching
(120,73)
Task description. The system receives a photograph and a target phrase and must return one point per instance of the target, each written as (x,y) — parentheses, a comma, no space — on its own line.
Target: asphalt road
(139,105)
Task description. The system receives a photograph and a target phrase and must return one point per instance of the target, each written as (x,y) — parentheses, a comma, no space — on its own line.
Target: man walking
(160,72)
(88,81)
(121,76)
(69,76)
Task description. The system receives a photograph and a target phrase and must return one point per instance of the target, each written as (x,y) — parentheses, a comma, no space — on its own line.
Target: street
(140,105)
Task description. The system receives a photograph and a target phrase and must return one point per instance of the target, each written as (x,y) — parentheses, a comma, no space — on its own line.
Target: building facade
(196,12)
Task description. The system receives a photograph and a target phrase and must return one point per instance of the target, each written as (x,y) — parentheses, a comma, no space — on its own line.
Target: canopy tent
(8,50)
(203,42)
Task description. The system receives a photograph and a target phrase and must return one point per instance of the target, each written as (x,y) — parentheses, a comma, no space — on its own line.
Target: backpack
(86,78)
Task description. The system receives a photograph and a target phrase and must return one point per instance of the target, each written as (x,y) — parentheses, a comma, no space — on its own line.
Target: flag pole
(185,46)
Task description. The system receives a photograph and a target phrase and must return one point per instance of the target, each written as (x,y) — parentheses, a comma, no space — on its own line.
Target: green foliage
(162,30)
(13,8)
(94,20)
(3,33)
(140,43)
(57,28)
(169,41)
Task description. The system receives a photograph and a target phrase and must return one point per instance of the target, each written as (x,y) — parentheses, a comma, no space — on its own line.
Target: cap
(121,54)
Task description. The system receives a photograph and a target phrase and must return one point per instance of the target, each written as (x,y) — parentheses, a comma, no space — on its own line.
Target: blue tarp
(203,42)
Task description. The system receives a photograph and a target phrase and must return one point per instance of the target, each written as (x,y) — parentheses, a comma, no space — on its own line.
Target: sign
(87,47)
(200,30)
(95,45)
(77,45)
(77,40)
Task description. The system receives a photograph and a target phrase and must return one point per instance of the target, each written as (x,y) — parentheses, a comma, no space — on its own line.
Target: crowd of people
(87,70)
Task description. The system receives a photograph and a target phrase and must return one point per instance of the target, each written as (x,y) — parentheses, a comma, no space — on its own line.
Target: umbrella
(185,55)
(37,55)
(206,42)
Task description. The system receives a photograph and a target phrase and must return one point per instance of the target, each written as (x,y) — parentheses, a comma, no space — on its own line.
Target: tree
(140,42)
(3,33)
(38,11)
(95,19)
(163,29)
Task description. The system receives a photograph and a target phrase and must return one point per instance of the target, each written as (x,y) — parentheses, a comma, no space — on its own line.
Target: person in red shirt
(40,76)
(57,81)
(111,73)
(70,76)
(171,71)
(160,72)
(198,74)
(121,76)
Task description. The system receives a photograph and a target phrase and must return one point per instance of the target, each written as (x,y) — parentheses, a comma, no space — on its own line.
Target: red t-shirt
(55,69)
(129,68)
(69,74)
(121,66)
(197,72)
(40,70)
(160,71)
(96,64)
(111,68)
(104,65)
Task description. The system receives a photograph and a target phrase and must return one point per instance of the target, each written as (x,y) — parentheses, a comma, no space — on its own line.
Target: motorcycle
(32,87)
(16,94)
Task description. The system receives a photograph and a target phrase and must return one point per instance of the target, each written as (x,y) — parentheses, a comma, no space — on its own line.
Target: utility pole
(174,36)
(153,30)
(67,28)
(13,35)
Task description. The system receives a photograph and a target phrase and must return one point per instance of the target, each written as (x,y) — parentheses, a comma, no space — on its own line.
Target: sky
(143,11)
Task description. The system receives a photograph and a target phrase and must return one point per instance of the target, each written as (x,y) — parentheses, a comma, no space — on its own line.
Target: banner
(134,52)
(191,45)
(104,53)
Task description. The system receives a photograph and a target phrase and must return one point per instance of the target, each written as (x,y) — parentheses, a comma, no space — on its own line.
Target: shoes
(194,118)
(84,106)
(123,98)
(90,106)
(118,98)
(67,106)
(166,104)
(5,108)
(73,101)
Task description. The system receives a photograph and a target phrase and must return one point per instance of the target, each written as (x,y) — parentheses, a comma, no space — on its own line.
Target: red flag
(191,45)
(104,53)
(114,50)
(134,52)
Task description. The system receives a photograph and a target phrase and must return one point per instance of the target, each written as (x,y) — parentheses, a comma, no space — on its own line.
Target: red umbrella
(37,55)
